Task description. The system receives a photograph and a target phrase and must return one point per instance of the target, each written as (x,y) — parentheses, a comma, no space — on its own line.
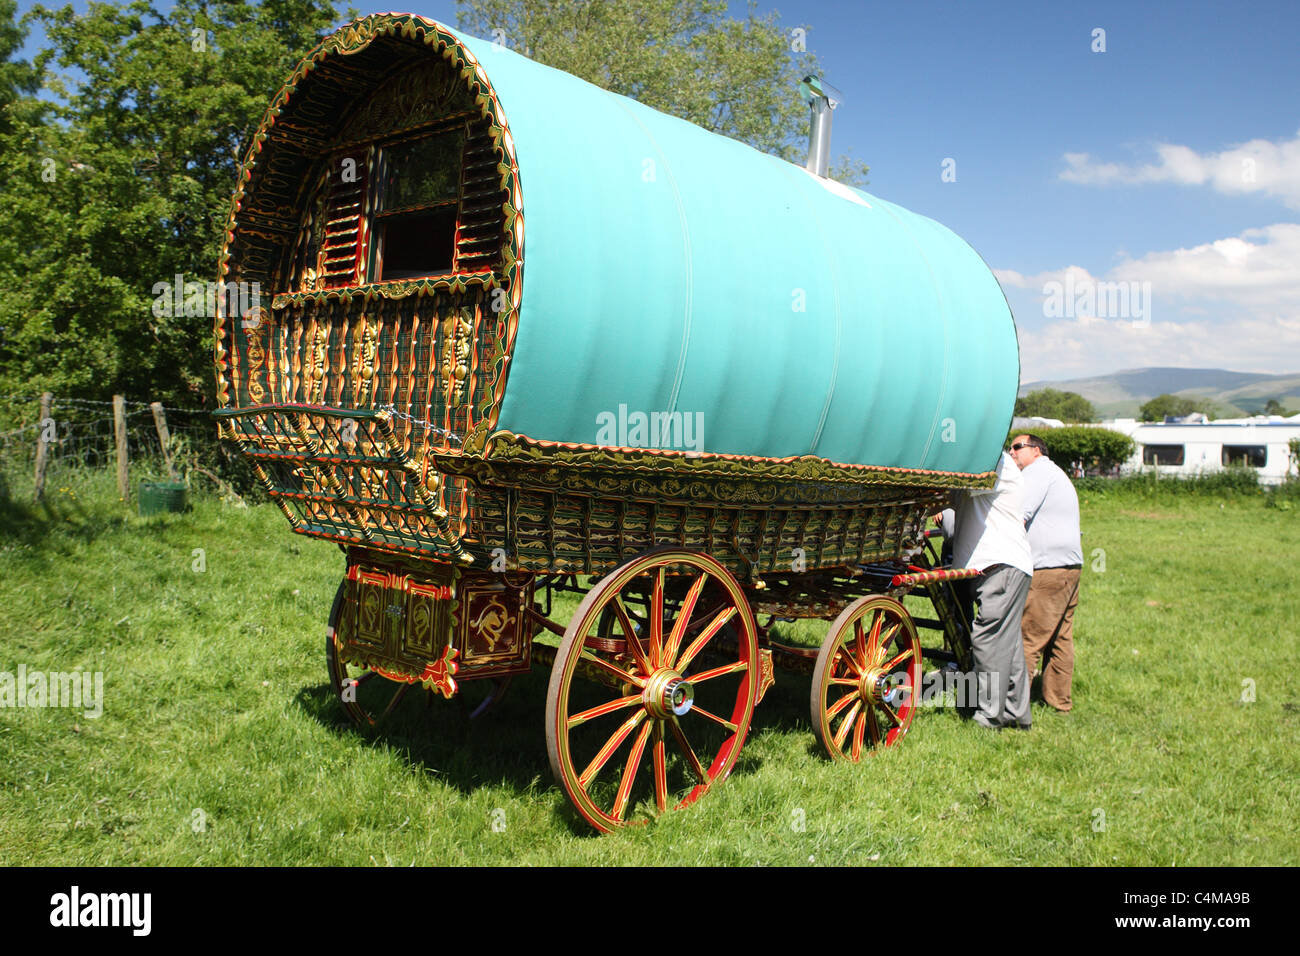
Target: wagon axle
(668,695)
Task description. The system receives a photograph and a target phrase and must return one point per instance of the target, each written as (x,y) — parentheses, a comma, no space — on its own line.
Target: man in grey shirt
(1052,521)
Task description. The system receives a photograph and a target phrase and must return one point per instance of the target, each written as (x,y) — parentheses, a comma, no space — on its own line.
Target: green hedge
(1095,447)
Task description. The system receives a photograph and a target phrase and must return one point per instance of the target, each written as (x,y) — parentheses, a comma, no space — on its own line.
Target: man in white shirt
(989,534)
(1052,521)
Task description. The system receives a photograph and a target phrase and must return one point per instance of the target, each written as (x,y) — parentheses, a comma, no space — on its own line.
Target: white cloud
(1259,166)
(1260,267)
(1233,303)
(1076,348)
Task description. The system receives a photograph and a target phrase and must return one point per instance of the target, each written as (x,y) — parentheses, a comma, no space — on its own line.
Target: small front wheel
(865,683)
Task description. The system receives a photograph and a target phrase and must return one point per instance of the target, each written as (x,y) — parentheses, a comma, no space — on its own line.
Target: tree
(1177,406)
(16,76)
(124,181)
(1053,403)
(1274,407)
(688,58)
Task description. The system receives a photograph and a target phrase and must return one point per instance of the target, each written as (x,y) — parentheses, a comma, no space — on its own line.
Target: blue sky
(1140,206)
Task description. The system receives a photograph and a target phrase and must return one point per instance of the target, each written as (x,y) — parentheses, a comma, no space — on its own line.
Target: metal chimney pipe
(822,99)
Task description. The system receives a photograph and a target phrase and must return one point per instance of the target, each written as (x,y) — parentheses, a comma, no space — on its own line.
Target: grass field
(220,742)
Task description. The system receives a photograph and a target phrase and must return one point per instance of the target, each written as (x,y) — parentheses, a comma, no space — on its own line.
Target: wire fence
(81,434)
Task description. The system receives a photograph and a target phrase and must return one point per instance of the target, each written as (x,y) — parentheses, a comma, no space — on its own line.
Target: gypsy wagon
(704,387)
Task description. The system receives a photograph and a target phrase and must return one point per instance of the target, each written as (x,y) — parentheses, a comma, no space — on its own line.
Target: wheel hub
(879,687)
(874,686)
(667,694)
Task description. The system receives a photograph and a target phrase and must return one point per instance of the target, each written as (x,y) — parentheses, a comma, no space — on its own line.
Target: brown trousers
(1048,630)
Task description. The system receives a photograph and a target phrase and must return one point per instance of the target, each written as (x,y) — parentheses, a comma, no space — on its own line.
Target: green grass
(216,700)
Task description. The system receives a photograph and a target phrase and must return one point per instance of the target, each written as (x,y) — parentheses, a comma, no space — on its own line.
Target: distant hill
(1121,394)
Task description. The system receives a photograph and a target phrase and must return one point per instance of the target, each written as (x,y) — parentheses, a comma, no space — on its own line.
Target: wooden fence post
(160,422)
(42,446)
(119,427)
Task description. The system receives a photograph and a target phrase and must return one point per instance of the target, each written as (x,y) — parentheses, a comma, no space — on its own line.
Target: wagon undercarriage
(657,674)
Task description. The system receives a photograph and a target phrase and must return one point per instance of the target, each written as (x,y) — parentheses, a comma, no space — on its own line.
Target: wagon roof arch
(315,103)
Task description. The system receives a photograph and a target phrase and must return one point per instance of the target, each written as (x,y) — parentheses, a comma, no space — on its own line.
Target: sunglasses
(1020,445)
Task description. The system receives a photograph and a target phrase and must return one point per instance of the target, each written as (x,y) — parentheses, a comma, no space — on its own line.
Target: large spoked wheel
(865,684)
(651,711)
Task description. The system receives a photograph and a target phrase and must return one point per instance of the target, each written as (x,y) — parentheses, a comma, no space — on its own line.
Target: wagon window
(1256,456)
(1162,454)
(413,232)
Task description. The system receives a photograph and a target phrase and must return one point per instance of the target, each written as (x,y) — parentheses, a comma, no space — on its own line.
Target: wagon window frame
(363,222)
(1155,455)
(1252,456)
(443,213)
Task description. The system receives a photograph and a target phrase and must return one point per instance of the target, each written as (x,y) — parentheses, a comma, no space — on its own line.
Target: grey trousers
(998,648)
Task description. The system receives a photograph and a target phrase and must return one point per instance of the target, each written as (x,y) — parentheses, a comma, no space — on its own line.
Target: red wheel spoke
(717,624)
(840,704)
(844,682)
(613,670)
(860,643)
(893,714)
(358,681)
(848,722)
(846,656)
(696,767)
(629,772)
(874,640)
(661,767)
(697,709)
(657,620)
(633,639)
(611,745)
(683,618)
(884,641)
(874,726)
(895,661)
(721,671)
(606,708)
(858,728)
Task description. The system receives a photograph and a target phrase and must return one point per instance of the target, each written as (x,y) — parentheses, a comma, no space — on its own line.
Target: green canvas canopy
(669,269)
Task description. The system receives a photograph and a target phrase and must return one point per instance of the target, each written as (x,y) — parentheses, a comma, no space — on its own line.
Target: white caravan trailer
(1191,448)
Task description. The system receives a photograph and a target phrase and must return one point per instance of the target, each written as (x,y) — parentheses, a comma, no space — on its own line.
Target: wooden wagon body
(725,385)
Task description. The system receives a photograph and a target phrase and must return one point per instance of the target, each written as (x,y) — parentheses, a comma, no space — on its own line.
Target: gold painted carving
(492,623)
(456,354)
(363,363)
(255,328)
(317,366)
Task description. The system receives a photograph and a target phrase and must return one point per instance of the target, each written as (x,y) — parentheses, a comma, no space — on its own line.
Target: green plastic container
(157,497)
